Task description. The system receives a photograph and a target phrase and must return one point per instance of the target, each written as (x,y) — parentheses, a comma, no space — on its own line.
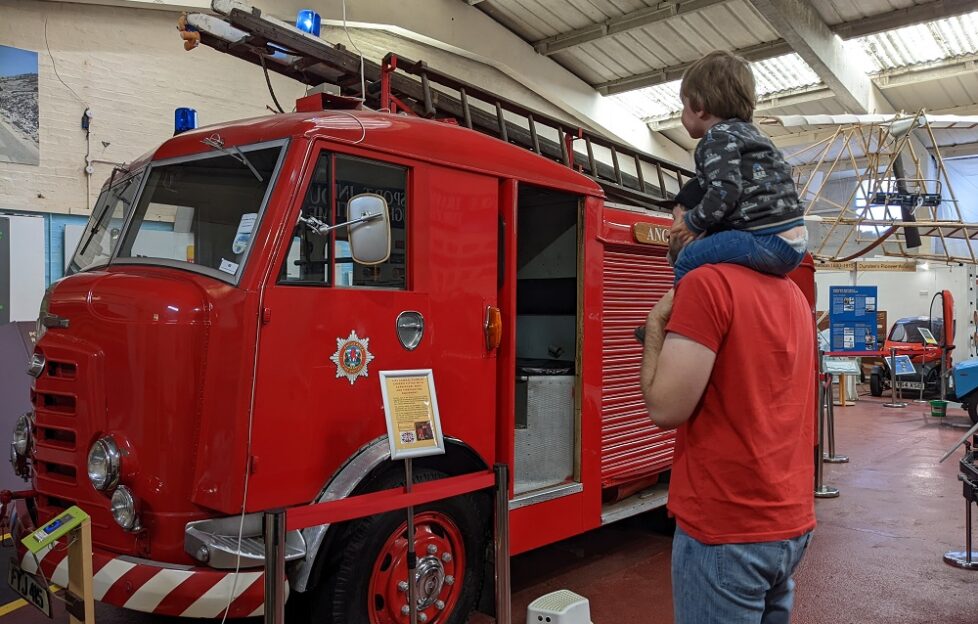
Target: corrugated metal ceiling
(924,43)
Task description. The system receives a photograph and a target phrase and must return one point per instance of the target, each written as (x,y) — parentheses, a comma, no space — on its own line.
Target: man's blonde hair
(722,84)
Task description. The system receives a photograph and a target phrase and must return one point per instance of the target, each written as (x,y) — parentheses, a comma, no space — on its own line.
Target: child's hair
(722,84)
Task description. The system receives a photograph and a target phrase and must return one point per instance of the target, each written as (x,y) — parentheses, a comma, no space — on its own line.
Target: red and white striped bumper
(152,587)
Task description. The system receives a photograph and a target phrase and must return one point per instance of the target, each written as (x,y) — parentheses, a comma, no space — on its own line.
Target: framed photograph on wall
(19,121)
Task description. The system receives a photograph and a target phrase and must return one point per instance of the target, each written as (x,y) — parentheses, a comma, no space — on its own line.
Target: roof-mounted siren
(308,21)
(184,119)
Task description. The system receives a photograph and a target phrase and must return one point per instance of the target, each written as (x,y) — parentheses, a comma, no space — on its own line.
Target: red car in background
(907,338)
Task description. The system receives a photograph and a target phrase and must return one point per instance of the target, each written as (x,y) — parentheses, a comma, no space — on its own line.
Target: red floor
(876,557)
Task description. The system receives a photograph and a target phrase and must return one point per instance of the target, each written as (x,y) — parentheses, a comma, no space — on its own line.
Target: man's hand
(662,310)
(681,231)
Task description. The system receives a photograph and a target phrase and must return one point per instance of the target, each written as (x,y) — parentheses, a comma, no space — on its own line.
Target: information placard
(903,365)
(927,336)
(852,318)
(411,407)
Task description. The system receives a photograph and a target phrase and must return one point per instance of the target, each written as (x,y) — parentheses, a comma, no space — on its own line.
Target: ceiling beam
(936,9)
(779,100)
(675,72)
(810,37)
(903,76)
(898,18)
(620,24)
(961,150)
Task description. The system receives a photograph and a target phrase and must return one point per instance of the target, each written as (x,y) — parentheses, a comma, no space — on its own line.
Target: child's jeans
(767,253)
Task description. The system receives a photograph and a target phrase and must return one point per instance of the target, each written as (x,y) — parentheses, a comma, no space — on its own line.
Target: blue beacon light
(308,21)
(184,119)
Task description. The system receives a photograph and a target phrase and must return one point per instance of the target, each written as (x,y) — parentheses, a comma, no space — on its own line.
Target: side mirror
(370,228)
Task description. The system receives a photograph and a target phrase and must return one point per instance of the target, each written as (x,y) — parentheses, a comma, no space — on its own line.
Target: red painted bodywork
(167,360)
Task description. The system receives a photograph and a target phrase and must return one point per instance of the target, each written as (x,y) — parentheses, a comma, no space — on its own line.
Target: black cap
(690,195)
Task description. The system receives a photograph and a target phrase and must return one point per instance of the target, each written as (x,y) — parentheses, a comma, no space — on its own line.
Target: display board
(903,365)
(852,318)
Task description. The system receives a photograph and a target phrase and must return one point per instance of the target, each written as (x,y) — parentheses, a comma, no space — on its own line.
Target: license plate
(910,385)
(30,588)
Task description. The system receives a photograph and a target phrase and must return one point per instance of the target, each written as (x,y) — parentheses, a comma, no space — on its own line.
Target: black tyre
(876,385)
(365,578)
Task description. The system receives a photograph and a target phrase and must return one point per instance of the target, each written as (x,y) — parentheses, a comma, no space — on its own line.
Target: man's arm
(675,369)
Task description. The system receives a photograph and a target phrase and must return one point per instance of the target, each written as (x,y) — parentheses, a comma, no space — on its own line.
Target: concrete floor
(876,557)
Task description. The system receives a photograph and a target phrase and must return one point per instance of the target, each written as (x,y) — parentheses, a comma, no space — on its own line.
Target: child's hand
(681,231)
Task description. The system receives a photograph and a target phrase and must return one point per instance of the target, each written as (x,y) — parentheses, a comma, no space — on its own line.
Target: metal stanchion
(921,398)
(501,546)
(893,386)
(824,396)
(831,457)
(273,529)
(966,560)
(412,556)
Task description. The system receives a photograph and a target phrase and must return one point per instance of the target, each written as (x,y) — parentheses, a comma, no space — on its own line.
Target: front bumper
(149,586)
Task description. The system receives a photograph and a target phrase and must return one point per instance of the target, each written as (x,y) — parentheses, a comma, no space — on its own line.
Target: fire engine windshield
(101,235)
(200,213)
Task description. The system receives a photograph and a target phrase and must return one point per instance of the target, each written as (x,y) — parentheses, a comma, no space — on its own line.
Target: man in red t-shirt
(729,362)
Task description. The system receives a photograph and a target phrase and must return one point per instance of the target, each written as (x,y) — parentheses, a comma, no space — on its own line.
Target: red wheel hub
(441,572)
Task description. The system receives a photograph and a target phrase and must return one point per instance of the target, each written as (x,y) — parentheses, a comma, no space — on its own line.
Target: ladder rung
(533,134)
(614,161)
(466,113)
(639,174)
(502,122)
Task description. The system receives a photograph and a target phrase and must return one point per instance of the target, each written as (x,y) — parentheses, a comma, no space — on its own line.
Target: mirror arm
(322,228)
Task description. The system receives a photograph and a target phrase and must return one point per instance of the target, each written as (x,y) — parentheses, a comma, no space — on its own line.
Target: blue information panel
(852,318)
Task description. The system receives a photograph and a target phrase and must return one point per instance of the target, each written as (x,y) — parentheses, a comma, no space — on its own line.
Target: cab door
(330,325)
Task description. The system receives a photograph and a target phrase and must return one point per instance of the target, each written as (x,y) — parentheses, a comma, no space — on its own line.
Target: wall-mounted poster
(19,127)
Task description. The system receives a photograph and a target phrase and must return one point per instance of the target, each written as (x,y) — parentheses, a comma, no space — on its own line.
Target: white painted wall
(910,294)
(129,67)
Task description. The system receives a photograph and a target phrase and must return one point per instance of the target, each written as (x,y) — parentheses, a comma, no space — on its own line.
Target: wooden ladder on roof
(401,85)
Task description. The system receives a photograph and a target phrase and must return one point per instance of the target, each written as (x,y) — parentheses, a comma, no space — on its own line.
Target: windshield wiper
(217,143)
(114,194)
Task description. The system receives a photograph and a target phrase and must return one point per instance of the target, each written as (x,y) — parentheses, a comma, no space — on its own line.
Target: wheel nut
(402,586)
(449,580)
(422,617)
(405,610)
(440,604)
(432,549)
(446,557)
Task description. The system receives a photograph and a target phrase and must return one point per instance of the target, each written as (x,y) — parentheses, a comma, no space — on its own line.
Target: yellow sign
(411,407)
(651,234)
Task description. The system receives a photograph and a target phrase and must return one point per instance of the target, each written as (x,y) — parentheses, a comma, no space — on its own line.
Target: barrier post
(273,529)
(501,546)
(893,389)
(824,396)
(81,604)
(831,457)
(412,557)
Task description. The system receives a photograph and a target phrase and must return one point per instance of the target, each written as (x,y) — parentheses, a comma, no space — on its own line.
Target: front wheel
(366,581)
(971,404)
(876,385)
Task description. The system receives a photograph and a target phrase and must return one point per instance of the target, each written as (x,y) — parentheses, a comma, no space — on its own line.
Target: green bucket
(938,408)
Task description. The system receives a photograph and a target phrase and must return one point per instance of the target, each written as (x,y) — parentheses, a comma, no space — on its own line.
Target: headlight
(36,366)
(104,464)
(124,509)
(22,435)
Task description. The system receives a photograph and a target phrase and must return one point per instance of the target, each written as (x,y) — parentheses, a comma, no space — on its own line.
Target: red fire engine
(215,353)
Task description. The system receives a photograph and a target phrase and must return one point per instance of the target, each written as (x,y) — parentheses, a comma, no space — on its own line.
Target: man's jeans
(767,253)
(734,583)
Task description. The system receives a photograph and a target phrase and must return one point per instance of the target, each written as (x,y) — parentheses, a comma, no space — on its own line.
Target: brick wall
(129,67)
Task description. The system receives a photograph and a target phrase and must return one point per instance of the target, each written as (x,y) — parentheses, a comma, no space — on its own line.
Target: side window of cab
(321,252)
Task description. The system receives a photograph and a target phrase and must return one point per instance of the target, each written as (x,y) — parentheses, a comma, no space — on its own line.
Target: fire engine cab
(215,352)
